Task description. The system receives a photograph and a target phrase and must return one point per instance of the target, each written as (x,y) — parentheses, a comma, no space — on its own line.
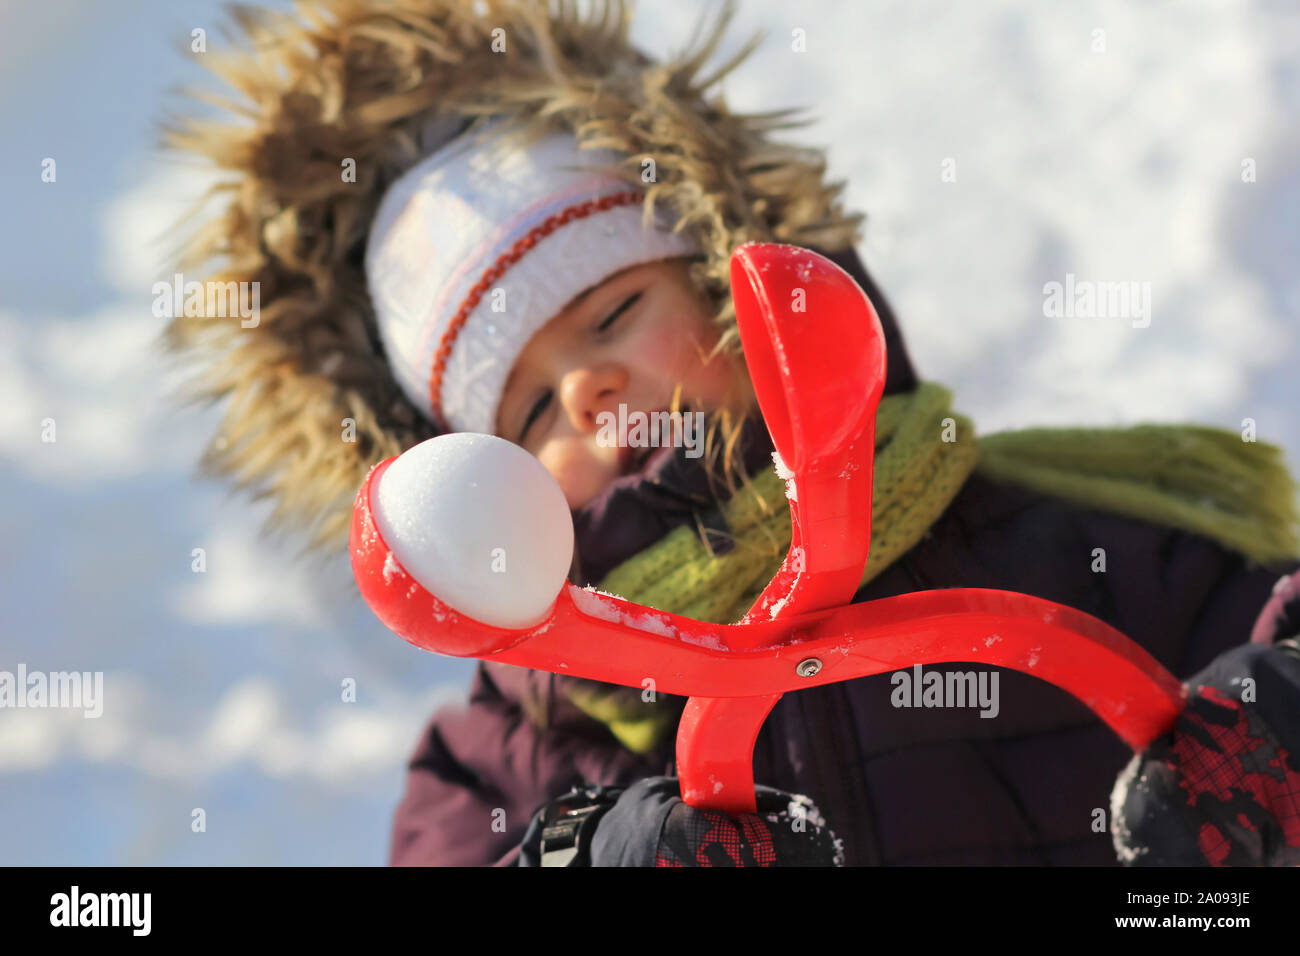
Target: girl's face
(629,340)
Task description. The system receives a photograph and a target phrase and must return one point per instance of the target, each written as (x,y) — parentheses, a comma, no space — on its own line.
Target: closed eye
(542,402)
(627,304)
(534,414)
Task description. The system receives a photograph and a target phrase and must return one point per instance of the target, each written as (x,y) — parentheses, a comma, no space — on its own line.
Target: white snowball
(481,524)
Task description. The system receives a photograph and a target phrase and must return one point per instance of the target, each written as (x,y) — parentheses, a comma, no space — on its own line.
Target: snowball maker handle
(818,372)
(815,351)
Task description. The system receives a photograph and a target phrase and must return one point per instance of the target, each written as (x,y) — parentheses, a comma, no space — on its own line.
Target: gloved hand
(648,824)
(1223,788)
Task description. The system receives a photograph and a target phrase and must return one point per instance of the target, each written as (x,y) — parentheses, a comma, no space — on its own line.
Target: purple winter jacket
(899,785)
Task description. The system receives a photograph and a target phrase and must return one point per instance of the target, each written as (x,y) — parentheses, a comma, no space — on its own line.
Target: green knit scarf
(1204,480)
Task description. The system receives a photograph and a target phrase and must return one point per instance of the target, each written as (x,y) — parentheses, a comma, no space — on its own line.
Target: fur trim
(367,80)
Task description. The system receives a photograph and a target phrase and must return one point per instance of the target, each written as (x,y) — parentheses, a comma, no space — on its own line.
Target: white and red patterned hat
(480,244)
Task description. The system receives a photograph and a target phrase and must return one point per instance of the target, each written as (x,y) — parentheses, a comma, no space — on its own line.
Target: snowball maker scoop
(816,355)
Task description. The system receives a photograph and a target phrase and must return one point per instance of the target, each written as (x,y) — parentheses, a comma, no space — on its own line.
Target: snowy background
(222,689)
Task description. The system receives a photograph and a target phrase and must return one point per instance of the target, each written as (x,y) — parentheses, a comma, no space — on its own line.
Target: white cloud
(253,723)
(101,377)
(1113,165)
(246,581)
(108,393)
(143,225)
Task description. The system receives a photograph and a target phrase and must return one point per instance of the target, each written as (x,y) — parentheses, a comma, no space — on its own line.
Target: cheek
(671,349)
(660,349)
(675,350)
(577,470)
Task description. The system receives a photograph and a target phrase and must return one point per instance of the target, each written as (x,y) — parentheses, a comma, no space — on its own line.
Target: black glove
(648,824)
(1223,788)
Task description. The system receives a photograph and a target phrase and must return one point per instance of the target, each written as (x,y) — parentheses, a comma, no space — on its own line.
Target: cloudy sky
(1114,156)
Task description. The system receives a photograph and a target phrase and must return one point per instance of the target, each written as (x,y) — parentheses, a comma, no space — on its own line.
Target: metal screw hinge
(808,667)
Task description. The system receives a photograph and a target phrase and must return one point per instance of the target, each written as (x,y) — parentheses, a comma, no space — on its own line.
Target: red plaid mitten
(1223,788)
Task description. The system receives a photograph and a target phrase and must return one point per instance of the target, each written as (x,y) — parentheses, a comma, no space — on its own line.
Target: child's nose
(587,392)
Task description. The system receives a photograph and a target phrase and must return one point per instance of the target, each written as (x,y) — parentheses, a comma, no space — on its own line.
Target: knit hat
(480,244)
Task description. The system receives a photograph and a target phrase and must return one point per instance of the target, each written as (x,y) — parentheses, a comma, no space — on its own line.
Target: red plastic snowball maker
(816,355)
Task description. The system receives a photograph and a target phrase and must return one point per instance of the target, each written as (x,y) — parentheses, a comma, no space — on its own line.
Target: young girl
(487,217)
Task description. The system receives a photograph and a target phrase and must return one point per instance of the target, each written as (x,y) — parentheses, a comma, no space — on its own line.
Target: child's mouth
(639,458)
(633,459)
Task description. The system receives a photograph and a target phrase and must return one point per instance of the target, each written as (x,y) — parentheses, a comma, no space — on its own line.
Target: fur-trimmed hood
(336,101)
